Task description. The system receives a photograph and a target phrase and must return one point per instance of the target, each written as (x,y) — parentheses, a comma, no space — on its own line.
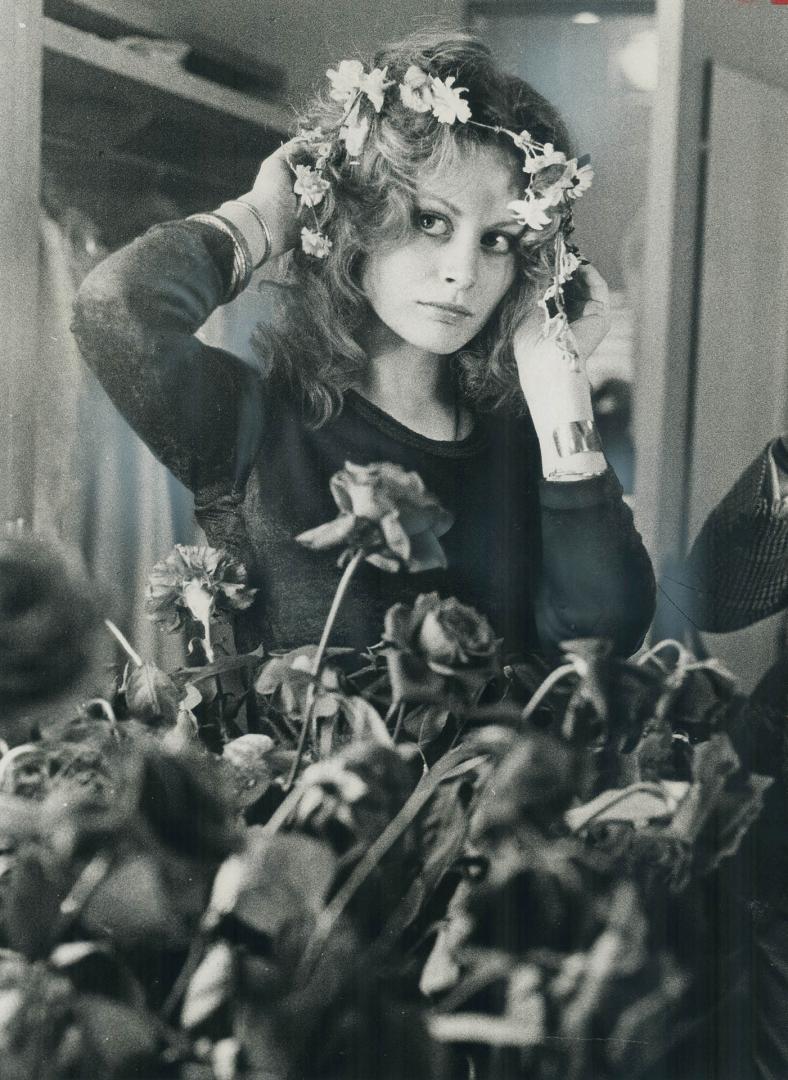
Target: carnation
(314,243)
(310,185)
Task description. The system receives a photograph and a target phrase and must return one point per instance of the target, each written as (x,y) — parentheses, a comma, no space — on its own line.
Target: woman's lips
(448,313)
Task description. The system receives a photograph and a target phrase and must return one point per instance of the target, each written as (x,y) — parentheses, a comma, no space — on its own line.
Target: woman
(408,332)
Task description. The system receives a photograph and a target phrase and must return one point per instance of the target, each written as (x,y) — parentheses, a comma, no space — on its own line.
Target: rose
(386,512)
(439,647)
(49,610)
(451,633)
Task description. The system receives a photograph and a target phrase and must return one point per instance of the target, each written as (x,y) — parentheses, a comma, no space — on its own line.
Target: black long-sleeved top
(545,561)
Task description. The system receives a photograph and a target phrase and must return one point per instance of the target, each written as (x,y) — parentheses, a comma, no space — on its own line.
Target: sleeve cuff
(578,494)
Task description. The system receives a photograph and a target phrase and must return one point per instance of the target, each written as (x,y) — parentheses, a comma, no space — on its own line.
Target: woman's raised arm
(596,578)
(198,408)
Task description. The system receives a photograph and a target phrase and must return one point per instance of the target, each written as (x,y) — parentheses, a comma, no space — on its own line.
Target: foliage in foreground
(412,862)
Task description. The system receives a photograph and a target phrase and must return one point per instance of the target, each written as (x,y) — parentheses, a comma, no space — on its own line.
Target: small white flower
(549,156)
(318,143)
(523,141)
(354,132)
(569,263)
(581,181)
(374,86)
(314,243)
(447,105)
(345,80)
(530,212)
(310,185)
(550,324)
(415,90)
(310,135)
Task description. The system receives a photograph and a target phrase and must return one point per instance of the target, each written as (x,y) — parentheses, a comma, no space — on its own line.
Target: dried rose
(48,612)
(249,768)
(353,795)
(194,582)
(388,513)
(439,646)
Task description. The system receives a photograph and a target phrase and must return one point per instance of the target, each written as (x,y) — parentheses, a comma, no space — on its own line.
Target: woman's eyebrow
(439,198)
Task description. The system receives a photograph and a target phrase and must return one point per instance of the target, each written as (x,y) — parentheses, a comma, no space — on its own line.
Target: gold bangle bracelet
(576,437)
(263,225)
(242,257)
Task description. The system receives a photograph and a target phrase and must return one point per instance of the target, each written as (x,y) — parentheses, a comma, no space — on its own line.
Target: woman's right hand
(272,195)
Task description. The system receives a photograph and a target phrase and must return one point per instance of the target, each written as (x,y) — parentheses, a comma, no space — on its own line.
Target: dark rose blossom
(48,612)
(388,513)
(439,646)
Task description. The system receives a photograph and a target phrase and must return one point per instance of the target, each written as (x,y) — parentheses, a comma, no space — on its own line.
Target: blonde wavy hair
(312,347)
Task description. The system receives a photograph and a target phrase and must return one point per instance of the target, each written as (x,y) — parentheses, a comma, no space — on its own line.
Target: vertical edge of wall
(664,368)
(751,38)
(20,126)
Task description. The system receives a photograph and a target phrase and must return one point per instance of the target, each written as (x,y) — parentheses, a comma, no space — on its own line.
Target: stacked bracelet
(242,256)
(263,225)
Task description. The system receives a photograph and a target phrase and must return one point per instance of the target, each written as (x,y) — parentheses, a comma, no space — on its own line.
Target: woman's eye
(432,224)
(498,242)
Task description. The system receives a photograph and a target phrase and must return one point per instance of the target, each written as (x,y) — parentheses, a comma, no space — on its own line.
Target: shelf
(73,58)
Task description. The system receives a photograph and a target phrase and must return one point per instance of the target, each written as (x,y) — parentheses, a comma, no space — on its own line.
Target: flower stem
(317,663)
(542,692)
(126,645)
(400,718)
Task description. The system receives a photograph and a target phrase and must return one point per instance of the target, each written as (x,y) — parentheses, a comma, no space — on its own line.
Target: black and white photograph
(394,540)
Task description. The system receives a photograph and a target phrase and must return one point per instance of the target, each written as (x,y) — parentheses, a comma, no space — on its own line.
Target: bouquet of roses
(414,861)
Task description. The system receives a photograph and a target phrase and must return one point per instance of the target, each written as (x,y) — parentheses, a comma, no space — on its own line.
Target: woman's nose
(459,264)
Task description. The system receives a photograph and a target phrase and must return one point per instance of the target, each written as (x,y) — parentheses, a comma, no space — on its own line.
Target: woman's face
(436,288)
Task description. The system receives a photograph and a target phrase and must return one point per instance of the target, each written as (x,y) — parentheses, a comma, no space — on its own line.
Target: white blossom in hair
(447,104)
(415,91)
(354,131)
(529,211)
(349,80)
(314,243)
(345,80)
(310,185)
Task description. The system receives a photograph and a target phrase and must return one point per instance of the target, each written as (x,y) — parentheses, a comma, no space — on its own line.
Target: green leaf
(151,695)
(31,908)
(220,667)
(132,906)
(116,1037)
(637,804)
(365,719)
(288,878)
(277,879)
(426,722)
(247,761)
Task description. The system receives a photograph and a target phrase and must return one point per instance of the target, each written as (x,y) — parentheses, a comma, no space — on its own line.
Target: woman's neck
(417,388)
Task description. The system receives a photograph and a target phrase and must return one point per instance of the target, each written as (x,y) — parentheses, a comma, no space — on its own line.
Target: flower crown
(552,180)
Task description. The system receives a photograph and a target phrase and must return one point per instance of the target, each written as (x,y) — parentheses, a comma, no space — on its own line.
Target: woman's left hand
(587,301)
(557,391)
